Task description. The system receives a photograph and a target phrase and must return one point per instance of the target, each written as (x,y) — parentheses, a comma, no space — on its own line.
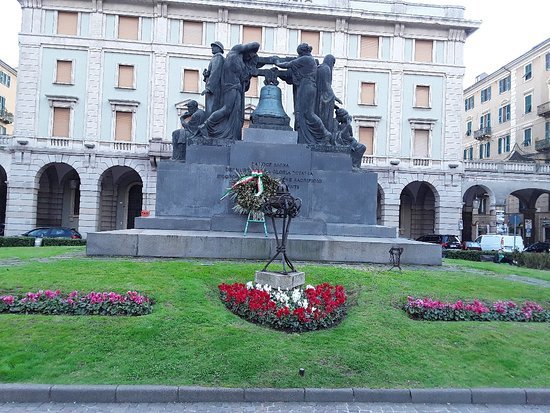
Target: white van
(493,242)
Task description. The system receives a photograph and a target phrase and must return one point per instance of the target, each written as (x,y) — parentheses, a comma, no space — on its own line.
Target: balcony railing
(544,110)
(482,133)
(542,145)
(5,116)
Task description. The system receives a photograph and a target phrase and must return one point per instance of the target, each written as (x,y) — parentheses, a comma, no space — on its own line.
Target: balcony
(482,133)
(5,116)
(544,110)
(542,145)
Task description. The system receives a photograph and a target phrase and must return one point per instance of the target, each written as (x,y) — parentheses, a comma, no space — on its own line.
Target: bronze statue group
(318,120)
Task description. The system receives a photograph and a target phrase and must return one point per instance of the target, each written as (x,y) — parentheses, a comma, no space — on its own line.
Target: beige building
(8,84)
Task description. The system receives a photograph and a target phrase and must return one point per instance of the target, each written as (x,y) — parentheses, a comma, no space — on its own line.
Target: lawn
(191,339)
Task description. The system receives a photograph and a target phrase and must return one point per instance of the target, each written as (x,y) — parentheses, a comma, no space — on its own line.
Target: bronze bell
(269,113)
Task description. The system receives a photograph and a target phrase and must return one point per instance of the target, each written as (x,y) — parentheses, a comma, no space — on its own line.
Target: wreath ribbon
(245,179)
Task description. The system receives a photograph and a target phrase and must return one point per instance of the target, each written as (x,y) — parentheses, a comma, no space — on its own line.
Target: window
(485,121)
(366,137)
(252,34)
(67,23)
(423,50)
(547,61)
(486,94)
(123,126)
(469,103)
(527,99)
(64,72)
(504,113)
(369,47)
(367,93)
(5,79)
(190,81)
(126,76)
(469,128)
(527,135)
(547,130)
(311,38)
(61,122)
(527,71)
(128,27)
(504,144)
(469,153)
(2,103)
(253,89)
(422,96)
(504,84)
(192,32)
(485,150)
(420,143)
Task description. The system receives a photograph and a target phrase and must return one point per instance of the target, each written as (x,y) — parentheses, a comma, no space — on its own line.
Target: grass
(502,269)
(191,339)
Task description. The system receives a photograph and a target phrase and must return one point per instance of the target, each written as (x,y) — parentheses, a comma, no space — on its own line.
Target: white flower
(304,303)
(296,295)
(249,285)
(310,287)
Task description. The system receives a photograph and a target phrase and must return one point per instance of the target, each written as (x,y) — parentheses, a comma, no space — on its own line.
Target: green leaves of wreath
(251,189)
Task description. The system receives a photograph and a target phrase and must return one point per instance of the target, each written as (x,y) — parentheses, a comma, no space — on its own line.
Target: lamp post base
(279,280)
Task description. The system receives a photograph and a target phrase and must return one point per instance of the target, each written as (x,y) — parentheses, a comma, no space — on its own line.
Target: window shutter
(366,137)
(61,121)
(67,23)
(252,34)
(64,72)
(123,127)
(420,149)
(369,47)
(191,81)
(311,38)
(126,76)
(367,93)
(423,96)
(423,50)
(128,27)
(192,32)
(253,89)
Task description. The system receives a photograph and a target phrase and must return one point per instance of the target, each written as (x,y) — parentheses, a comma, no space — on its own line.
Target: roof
(8,67)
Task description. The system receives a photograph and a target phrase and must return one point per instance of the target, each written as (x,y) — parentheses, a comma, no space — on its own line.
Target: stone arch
(121,198)
(480,215)
(417,209)
(58,195)
(524,201)
(3,198)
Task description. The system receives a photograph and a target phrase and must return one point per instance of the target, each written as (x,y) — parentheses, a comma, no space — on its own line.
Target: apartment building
(102,85)
(507,113)
(8,86)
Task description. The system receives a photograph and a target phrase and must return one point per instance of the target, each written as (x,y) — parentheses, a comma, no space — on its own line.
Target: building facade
(101,85)
(8,85)
(506,124)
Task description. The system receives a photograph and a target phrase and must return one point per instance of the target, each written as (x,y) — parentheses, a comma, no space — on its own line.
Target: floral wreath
(251,189)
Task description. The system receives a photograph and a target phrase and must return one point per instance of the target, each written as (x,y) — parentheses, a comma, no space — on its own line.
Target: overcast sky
(509,29)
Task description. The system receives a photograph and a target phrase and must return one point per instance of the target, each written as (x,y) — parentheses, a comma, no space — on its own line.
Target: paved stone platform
(254,246)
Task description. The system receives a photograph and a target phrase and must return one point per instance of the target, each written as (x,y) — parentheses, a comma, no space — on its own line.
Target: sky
(508,29)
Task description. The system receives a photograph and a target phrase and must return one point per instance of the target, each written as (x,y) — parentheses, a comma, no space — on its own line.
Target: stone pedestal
(280,280)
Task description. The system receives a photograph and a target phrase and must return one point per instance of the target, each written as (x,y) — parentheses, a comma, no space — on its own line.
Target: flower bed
(295,310)
(75,303)
(433,310)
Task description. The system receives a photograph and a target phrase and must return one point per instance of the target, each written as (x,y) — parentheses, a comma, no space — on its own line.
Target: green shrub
(468,255)
(49,242)
(537,260)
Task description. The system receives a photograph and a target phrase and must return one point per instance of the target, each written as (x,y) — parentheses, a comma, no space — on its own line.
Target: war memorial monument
(317,158)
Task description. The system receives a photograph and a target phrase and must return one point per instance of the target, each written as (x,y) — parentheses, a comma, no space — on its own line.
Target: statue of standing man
(325,95)
(213,78)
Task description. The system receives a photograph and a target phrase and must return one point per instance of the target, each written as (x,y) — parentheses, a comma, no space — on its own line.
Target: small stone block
(274,395)
(194,394)
(538,396)
(83,394)
(498,396)
(441,396)
(24,393)
(280,280)
(146,394)
(329,395)
(382,395)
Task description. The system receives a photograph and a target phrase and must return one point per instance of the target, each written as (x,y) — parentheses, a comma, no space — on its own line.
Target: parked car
(506,243)
(446,241)
(471,245)
(538,247)
(53,232)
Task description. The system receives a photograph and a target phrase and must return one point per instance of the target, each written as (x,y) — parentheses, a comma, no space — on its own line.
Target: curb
(43,393)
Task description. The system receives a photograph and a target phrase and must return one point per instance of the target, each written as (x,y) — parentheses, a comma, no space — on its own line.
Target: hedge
(537,260)
(47,242)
